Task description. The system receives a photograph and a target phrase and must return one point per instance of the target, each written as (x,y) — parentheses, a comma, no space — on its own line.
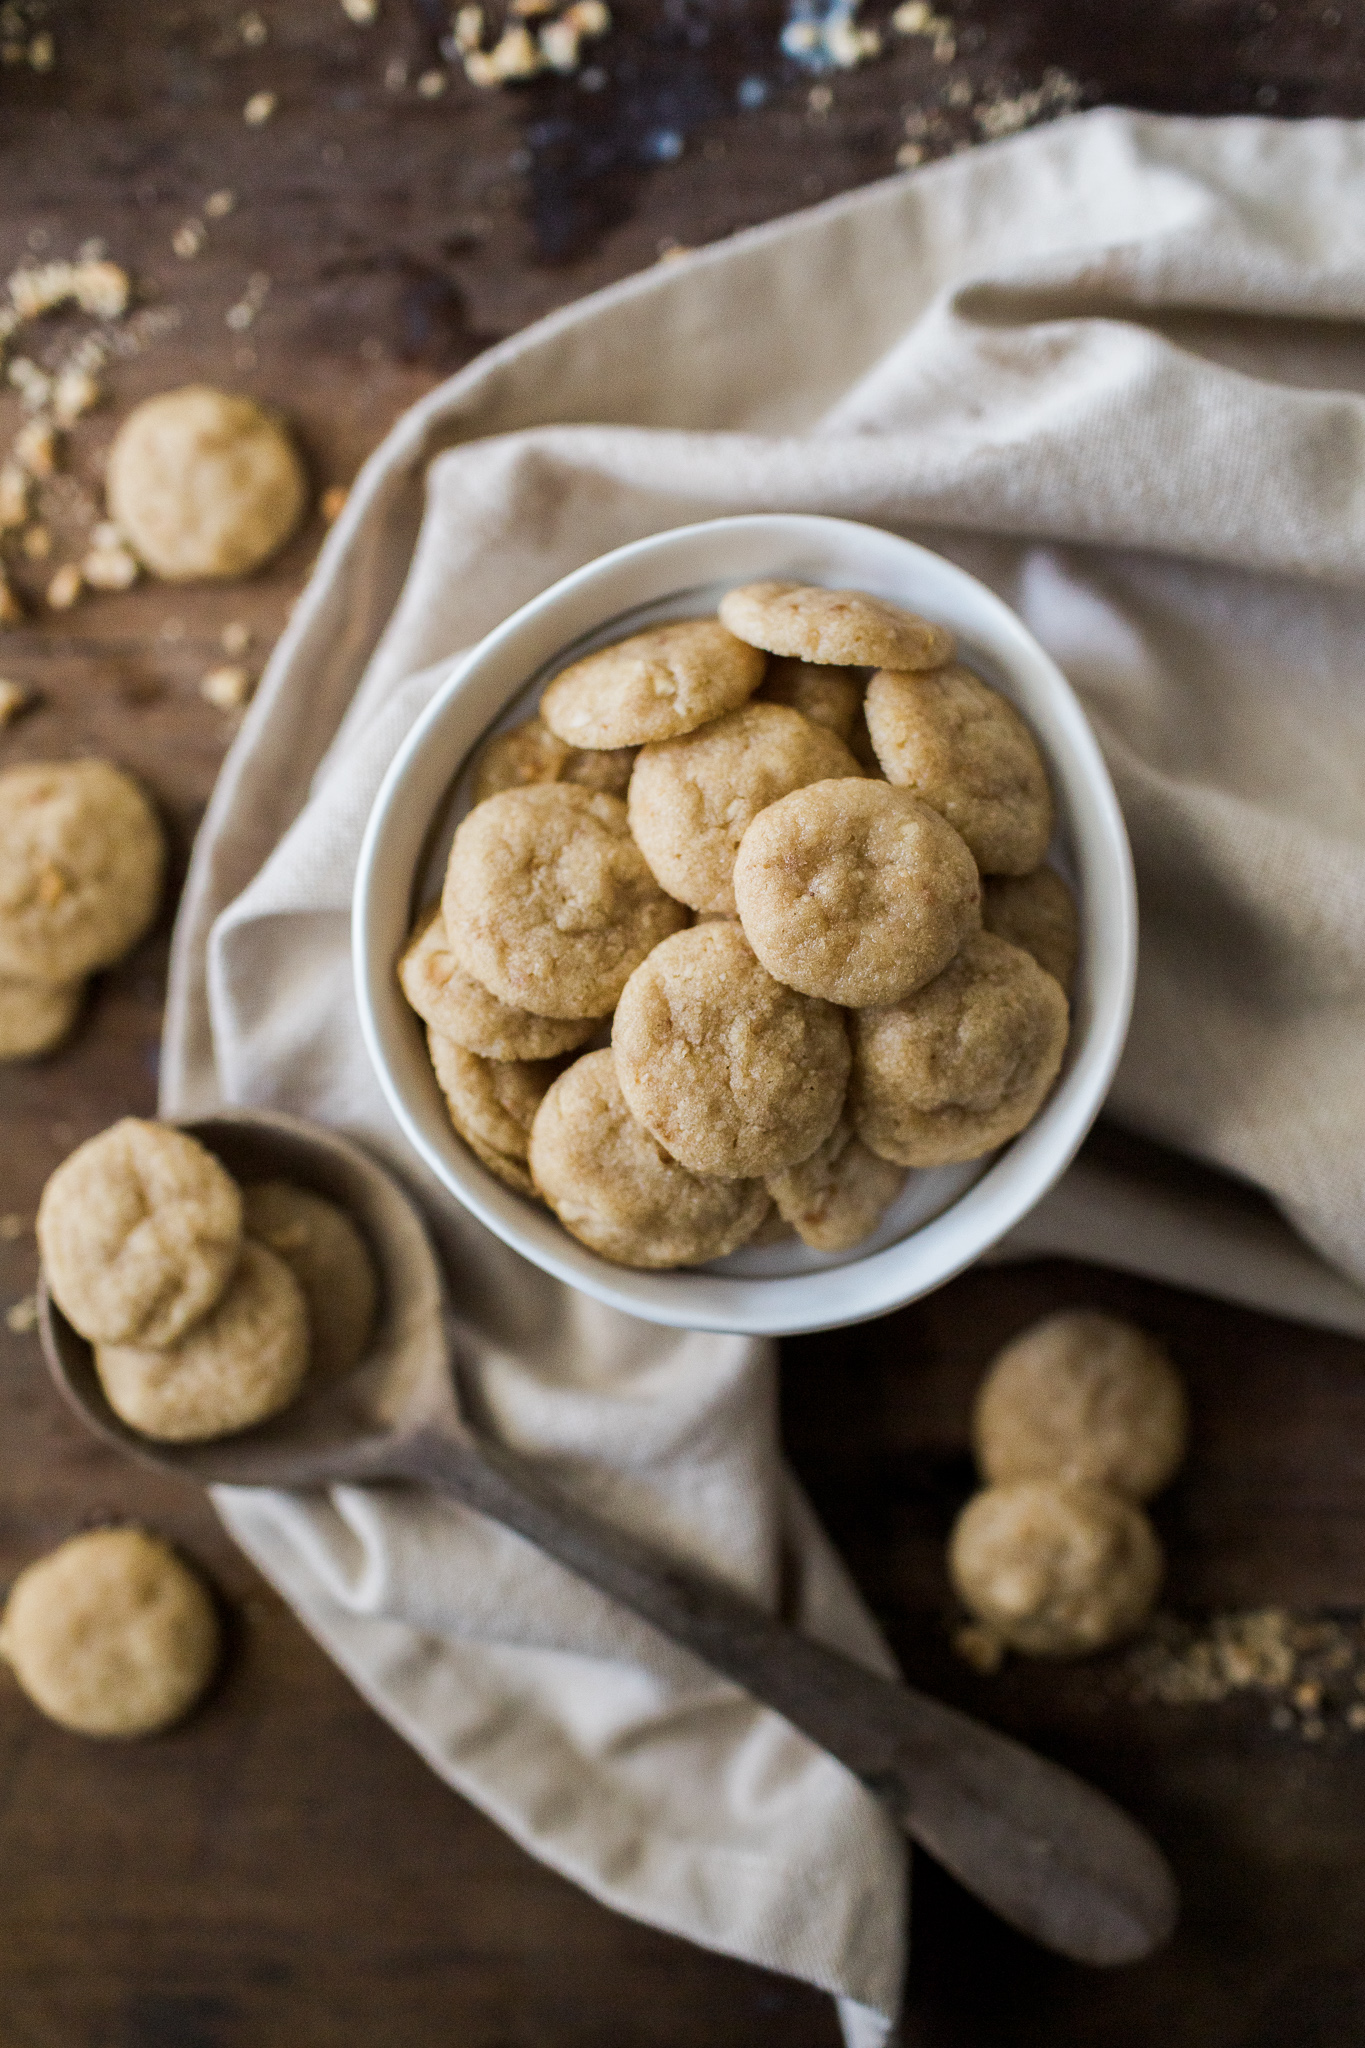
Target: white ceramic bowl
(946,1218)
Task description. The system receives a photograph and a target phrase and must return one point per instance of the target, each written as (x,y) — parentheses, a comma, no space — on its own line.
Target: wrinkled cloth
(1116,368)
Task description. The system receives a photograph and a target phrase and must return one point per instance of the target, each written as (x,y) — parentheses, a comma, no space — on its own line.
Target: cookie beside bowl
(947,1216)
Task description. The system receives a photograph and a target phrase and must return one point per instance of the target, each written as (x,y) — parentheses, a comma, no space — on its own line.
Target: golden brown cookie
(549,902)
(515,759)
(1037,912)
(35,1016)
(492,1104)
(111,1634)
(530,753)
(733,1073)
(653,686)
(965,750)
(828,696)
(692,799)
(848,627)
(615,1188)
(204,483)
(457,1006)
(242,1362)
(855,891)
(139,1230)
(1055,1570)
(1086,1397)
(81,861)
(962,1065)
(840,1194)
(331,1261)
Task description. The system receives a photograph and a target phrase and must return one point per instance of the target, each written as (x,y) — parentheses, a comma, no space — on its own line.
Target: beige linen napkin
(1113,366)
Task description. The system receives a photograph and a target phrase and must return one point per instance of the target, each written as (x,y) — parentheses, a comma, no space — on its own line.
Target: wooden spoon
(1051,1855)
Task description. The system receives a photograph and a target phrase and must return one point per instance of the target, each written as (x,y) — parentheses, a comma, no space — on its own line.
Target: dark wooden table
(283,1872)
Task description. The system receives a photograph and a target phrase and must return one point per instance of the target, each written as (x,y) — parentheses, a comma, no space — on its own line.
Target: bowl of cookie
(746,932)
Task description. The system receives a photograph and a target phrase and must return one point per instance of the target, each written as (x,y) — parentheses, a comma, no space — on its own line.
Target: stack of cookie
(768,873)
(1080,1420)
(204,1302)
(81,863)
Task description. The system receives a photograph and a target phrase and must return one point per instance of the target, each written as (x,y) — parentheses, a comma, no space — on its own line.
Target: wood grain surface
(282,1872)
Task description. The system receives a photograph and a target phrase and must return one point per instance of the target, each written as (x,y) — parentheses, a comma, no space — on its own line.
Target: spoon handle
(1052,1856)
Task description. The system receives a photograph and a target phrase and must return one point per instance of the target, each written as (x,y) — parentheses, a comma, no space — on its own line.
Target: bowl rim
(491,674)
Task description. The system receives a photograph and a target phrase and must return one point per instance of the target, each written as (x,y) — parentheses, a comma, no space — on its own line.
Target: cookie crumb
(226,688)
(110,569)
(431,84)
(64,588)
(13,698)
(333,502)
(188,239)
(74,392)
(22,1315)
(12,1225)
(219,204)
(36,543)
(980,1647)
(259,108)
(361,12)
(11,611)
(235,637)
(35,448)
(14,488)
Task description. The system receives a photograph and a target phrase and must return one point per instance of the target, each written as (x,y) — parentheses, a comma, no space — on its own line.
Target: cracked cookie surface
(652,686)
(841,627)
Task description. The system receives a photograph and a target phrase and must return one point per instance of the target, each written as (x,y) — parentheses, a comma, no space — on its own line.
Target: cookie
(1037,912)
(734,1074)
(1055,1570)
(1086,1397)
(531,753)
(549,902)
(828,696)
(653,686)
(855,891)
(204,484)
(837,1196)
(615,1188)
(82,857)
(35,1016)
(139,1231)
(962,1065)
(241,1363)
(492,1104)
(692,799)
(837,626)
(331,1262)
(965,750)
(111,1634)
(460,1008)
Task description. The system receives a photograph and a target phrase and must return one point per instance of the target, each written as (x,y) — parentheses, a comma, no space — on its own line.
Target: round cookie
(331,1262)
(111,1634)
(962,1065)
(81,862)
(1037,912)
(615,1188)
(855,891)
(549,902)
(35,1016)
(838,626)
(828,696)
(139,1230)
(460,1008)
(837,1196)
(515,759)
(492,1104)
(530,753)
(692,799)
(238,1365)
(965,750)
(653,686)
(204,483)
(734,1074)
(1055,1570)
(1086,1397)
